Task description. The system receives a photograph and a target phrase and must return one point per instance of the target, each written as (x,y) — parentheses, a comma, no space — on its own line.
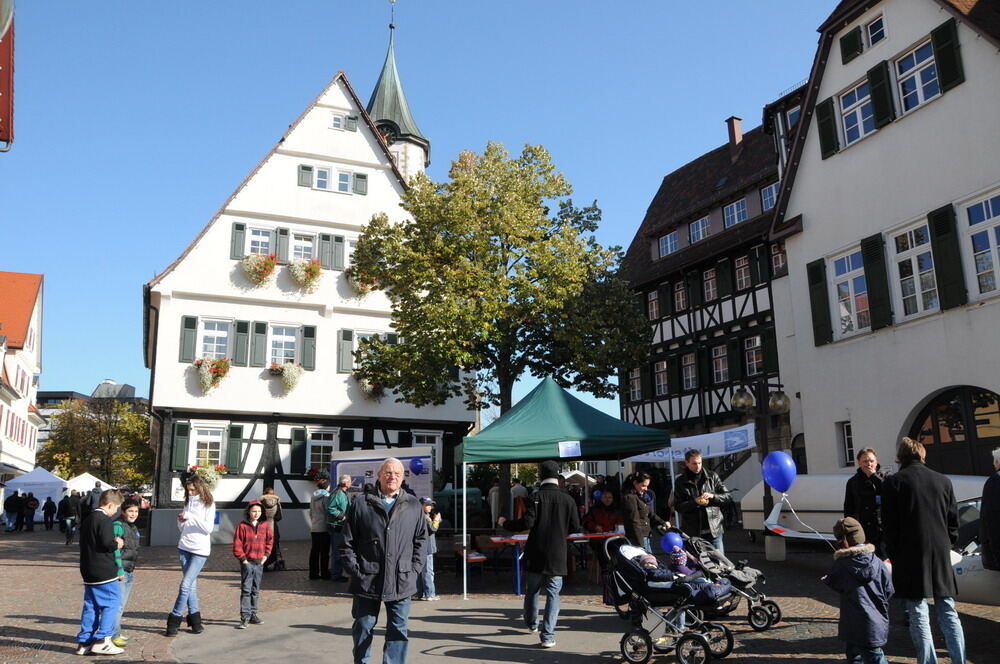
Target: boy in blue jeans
(100,567)
(865,588)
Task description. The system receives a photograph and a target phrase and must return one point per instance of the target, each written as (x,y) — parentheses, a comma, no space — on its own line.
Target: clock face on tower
(388,134)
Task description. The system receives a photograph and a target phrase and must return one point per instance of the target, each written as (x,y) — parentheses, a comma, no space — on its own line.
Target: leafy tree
(105,437)
(488,278)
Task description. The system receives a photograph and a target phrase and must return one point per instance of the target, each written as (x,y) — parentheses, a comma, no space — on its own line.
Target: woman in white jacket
(195,522)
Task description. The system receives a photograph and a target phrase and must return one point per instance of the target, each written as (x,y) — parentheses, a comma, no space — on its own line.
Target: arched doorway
(959,428)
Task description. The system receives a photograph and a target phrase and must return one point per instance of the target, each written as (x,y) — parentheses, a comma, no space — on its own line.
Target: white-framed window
(635,384)
(260,241)
(778,257)
(875,31)
(983,234)
(653,305)
(845,432)
(283,344)
(338,121)
(915,278)
(753,355)
(769,196)
(591,467)
(851,293)
(689,372)
(698,230)
(668,244)
(344,182)
(303,247)
(660,378)
(720,364)
(322,445)
(31,339)
(208,446)
(743,280)
(917,78)
(735,212)
(680,296)
(792,116)
(432,439)
(710,286)
(857,115)
(214,336)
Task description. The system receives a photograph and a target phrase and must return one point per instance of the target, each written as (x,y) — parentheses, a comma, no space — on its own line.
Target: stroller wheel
(720,639)
(759,618)
(637,646)
(693,649)
(772,608)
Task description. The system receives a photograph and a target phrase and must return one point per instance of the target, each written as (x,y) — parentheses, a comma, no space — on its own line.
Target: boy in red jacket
(252,545)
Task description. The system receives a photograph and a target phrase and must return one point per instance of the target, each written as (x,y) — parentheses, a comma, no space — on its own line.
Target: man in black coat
(700,496)
(551,516)
(920,524)
(989,518)
(863,496)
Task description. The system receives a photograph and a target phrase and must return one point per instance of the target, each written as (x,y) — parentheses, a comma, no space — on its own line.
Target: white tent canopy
(39,482)
(85,482)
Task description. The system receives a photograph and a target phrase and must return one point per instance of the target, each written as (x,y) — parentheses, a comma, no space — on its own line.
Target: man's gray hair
(389,462)
(996,455)
(345,480)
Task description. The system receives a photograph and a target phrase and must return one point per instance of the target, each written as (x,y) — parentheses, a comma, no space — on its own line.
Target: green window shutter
(947,258)
(769,341)
(673,374)
(179,446)
(189,338)
(298,462)
(947,55)
(819,301)
(237,241)
(360,183)
(258,344)
(734,358)
(305,175)
(694,289)
(326,251)
(234,448)
(308,347)
(345,439)
(282,248)
(241,343)
(666,298)
(345,351)
(404,439)
(704,368)
(877,278)
(338,252)
(826,126)
(352,123)
(724,277)
(646,374)
(880,87)
(760,264)
(851,45)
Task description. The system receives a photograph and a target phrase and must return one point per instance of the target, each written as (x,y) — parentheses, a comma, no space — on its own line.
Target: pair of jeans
(550,585)
(319,555)
(425,582)
(125,591)
(717,543)
(11,520)
(865,655)
(397,642)
(250,577)
(187,594)
(49,521)
(100,610)
(647,545)
(920,629)
(29,520)
(70,525)
(336,540)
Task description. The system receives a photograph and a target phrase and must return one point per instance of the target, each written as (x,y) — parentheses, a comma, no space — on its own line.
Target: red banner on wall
(7,88)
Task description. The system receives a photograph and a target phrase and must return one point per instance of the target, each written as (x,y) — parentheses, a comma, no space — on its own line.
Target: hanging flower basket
(211,372)
(371,390)
(290,374)
(360,282)
(306,274)
(259,268)
(208,474)
(316,473)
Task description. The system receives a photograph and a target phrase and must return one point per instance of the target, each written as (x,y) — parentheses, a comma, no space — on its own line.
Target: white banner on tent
(714,444)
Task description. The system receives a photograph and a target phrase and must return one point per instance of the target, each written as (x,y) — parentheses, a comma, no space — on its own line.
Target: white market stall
(39,482)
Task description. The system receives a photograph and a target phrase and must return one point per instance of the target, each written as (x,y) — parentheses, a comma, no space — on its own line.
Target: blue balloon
(417,466)
(597,495)
(671,539)
(779,471)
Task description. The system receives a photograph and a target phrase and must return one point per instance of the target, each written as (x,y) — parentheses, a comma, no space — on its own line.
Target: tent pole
(465,532)
(673,487)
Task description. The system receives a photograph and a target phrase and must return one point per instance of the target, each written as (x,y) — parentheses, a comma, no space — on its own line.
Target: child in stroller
(705,593)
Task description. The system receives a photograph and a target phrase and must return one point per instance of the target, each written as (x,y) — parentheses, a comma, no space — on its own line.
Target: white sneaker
(548,644)
(83,649)
(432,599)
(105,647)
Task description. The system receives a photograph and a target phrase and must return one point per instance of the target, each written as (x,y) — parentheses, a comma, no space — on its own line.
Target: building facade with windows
(891,222)
(288,398)
(20,366)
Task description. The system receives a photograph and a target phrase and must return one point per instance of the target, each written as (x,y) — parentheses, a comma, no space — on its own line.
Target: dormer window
(698,230)
(667,244)
(735,212)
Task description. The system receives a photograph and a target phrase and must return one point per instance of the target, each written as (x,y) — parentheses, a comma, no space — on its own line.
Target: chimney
(735,136)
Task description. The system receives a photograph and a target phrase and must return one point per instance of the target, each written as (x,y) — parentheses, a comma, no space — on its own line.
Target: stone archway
(959,428)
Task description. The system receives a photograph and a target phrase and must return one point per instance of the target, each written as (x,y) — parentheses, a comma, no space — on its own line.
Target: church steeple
(390,112)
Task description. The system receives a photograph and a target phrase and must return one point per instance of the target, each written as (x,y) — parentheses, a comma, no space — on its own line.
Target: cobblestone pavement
(40,596)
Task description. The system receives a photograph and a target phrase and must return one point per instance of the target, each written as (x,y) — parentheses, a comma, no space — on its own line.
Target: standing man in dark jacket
(551,516)
(383,554)
(863,498)
(989,518)
(73,515)
(700,494)
(920,522)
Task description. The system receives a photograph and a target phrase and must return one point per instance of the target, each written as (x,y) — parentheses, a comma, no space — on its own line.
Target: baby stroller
(762,613)
(663,615)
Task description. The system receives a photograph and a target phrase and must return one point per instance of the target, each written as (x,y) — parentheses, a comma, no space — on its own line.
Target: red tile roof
(18,295)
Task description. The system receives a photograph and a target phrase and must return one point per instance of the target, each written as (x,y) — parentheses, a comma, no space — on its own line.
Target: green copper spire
(388,108)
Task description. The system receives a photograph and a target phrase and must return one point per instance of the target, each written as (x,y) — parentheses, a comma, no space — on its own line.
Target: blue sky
(136,120)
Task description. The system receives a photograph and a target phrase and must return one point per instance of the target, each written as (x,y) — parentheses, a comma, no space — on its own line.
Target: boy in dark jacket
(252,544)
(126,529)
(865,589)
(100,567)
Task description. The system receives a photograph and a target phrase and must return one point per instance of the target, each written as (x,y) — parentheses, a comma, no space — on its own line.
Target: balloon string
(784,498)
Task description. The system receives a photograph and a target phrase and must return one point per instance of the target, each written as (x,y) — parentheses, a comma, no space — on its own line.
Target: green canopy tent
(550,423)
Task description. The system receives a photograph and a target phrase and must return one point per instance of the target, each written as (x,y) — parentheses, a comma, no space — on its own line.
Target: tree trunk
(506,385)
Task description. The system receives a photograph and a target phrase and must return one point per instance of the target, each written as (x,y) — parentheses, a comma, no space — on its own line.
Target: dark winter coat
(383,552)
(49,508)
(75,508)
(552,515)
(98,562)
(638,517)
(920,523)
(865,589)
(130,552)
(989,523)
(862,497)
(603,519)
(701,520)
